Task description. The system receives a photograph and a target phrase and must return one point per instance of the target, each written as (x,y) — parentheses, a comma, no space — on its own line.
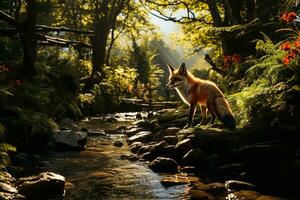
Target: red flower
(285,46)
(288,17)
(286,60)
(3,68)
(297,43)
(17,82)
(236,58)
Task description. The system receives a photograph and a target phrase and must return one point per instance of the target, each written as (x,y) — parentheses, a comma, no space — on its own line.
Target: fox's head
(178,77)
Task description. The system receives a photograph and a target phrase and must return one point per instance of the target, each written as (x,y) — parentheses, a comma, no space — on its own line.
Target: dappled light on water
(100,172)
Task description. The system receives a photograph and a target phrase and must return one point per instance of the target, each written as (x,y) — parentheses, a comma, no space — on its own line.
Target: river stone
(234,185)
(135,146)
(194,157)
(158,148)
(162,164)
(148,156)
(188,169)
(199,194)
(118,143)
(68,123)
(215,188)
(42,186)
(70,140)
(169,181)
(170,152)
(143,149)
(131,157)
(172,130)
(10,196)
(133,131)
(170,139)
(143,136)
(183,147)
(6,177)
(4,187)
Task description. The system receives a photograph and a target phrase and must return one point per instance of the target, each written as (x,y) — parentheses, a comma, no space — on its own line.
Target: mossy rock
(27,130)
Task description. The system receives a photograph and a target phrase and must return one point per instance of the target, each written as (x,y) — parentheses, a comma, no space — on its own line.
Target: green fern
(4,157)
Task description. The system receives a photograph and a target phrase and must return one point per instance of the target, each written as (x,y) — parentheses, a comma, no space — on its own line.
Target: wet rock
(231,170)
(133,131)
(185,133)
(162,164)
(131,157)
(150,115)
(245,194)
(4,187)
(171,140)
(194,157)
(170,152)
(172,130)
(96,132)
(158,148)
(143,136)
(42,186)
(188,169)
(5,177)
(143,149)
(148,156)
(9,196)
(183,147)
(118,144)
(111,119)
(135,146)
(70,140)
(199,194)
(173,180)
(84,129)
(138,116)
(234,185)
(215,188)
(68,123)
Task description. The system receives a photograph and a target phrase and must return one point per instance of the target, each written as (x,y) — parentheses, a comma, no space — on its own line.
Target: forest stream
(102,172)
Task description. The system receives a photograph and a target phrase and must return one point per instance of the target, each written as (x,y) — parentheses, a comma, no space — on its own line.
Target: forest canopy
(62,58)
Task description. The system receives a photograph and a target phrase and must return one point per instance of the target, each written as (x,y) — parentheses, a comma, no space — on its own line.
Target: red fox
(195,91)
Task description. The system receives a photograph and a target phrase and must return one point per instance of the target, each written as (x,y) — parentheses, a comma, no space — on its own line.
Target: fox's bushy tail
(224,112)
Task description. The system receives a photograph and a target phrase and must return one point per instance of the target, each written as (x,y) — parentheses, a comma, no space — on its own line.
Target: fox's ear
(171,69)
(182,69)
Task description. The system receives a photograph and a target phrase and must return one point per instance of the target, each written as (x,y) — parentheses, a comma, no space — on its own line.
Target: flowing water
(100,171)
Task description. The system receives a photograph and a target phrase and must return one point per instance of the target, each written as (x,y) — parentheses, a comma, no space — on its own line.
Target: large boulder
(162,164)
(70,140)
(194,157)
(43,186)
(143,136)
(183,147)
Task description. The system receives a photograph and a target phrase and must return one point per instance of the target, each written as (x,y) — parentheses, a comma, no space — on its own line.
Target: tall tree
(234,22)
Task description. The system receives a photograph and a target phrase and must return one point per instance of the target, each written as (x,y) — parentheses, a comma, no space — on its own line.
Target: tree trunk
(28,38)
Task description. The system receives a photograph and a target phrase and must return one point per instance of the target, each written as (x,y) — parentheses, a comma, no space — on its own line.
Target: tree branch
(213,65)
(48,40)
(44,28)
(9,19)
(182,20)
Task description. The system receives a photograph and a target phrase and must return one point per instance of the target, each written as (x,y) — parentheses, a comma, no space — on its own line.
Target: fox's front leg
(191,115)
(203,115)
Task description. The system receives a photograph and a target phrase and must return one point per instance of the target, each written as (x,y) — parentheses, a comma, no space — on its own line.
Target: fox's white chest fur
(183,92)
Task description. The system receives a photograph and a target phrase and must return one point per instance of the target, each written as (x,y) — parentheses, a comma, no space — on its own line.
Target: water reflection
(100,173)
